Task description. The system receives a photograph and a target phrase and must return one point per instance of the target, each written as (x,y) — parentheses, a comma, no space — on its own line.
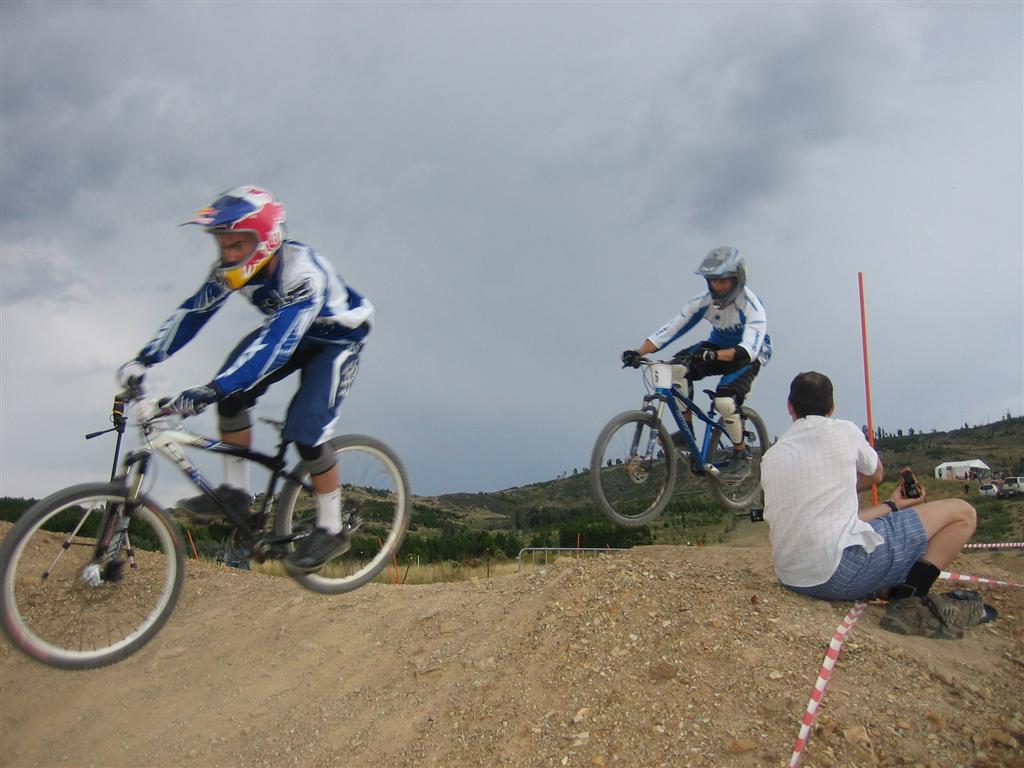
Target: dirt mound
(668,656)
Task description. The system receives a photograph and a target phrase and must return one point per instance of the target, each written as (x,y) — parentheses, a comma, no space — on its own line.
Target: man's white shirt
(810,491)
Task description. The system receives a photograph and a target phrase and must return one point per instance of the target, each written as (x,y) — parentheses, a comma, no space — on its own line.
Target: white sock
(236,472)
(328,511)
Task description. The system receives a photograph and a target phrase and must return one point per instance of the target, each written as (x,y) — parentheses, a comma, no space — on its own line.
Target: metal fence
(579,551)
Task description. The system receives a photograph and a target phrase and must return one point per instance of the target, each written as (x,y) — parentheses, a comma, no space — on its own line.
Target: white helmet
(722,262)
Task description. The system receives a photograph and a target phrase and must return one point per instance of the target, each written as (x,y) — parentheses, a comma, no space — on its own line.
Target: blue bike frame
(667,393)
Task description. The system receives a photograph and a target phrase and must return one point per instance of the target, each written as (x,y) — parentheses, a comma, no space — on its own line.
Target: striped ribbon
(978,579)
(836,644)
(839,637)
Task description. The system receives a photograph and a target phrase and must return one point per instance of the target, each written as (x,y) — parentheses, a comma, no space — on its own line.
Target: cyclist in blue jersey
(315,324)
(737,348)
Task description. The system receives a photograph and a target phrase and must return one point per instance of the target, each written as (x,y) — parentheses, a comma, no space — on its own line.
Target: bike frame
(168,442)
(666,393)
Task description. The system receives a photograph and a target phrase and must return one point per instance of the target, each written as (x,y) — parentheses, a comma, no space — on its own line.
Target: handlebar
(683,358)
(134,392)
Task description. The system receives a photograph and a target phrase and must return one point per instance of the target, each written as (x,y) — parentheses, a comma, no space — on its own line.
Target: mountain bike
(91,573)
(635,459)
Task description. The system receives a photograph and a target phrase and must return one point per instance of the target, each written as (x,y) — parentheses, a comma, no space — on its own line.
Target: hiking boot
(203,510)
(915,616)
(316,549)
(737,470)
(963,608)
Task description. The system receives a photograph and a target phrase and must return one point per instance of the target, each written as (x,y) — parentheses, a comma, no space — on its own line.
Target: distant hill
(1000,445)
(694,516)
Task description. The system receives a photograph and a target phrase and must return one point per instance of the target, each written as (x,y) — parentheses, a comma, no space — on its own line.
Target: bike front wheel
(744,494)
(87,579)
(632,469)
(375,505)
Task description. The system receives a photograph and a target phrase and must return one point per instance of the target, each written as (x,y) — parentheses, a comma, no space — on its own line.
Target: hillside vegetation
(555,512)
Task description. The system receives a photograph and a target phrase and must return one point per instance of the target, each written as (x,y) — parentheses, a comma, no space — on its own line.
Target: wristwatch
(891,505)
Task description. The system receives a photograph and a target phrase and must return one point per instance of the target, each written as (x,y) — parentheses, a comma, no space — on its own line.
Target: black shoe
(313,552)
(202,510)
(737,470)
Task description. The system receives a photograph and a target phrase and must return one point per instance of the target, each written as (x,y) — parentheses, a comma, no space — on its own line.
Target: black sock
(920,577)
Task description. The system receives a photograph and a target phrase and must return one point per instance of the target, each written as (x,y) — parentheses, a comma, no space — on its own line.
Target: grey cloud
(738,122)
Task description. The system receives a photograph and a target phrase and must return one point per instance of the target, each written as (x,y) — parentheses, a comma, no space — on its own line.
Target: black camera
(911,488)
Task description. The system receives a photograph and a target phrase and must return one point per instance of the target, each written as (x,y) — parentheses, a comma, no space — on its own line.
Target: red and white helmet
(245,209)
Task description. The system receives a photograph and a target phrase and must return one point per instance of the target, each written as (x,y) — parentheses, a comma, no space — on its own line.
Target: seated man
(825,547)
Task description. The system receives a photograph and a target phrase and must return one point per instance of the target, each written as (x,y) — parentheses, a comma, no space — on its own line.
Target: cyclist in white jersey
(737,348)
(314,324)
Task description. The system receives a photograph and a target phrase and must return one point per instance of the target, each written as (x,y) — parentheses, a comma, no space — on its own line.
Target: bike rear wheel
(631,479)
(86,580)
(746,493)
(376,507)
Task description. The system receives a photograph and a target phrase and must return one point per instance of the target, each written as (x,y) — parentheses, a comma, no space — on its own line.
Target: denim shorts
(861,574)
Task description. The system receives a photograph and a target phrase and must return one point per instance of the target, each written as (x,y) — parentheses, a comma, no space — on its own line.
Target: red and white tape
(1005,545)
(834,646)
(839,637)
(949,576)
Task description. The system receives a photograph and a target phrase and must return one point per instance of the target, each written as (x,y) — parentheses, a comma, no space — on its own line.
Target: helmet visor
(223,212)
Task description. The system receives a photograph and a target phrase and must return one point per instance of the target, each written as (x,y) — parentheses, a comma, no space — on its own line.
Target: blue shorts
(861,574)
(326,373)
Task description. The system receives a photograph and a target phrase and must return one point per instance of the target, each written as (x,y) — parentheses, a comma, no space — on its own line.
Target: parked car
(1009,492)
(1014,482)
(987,489)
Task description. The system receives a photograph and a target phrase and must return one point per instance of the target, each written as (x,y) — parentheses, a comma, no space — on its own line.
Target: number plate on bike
(662,373)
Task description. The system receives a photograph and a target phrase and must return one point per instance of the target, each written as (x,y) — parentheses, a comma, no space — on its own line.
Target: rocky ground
(661,656)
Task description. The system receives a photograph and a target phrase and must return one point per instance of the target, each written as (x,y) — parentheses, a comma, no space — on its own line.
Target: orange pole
(192,542)
(867,374)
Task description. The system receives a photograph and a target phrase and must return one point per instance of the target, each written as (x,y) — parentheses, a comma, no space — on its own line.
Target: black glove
(631,358)
(193,401)
(708,355)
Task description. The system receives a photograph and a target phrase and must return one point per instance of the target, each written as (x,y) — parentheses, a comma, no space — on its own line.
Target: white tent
(959,470)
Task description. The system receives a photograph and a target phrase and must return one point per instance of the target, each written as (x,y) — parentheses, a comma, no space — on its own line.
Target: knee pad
(319,458)
(726,406)
(233,414)
(679,375)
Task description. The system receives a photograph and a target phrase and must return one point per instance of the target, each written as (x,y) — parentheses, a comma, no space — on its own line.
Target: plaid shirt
(810,498)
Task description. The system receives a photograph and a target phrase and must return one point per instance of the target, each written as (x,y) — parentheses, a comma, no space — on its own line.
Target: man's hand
(131,373)
(631,358)
(902,501)
(193,401)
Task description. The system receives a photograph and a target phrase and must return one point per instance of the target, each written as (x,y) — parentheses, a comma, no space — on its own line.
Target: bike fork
(652,440)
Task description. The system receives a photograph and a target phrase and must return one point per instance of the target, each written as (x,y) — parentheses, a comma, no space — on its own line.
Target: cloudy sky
(523,190)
